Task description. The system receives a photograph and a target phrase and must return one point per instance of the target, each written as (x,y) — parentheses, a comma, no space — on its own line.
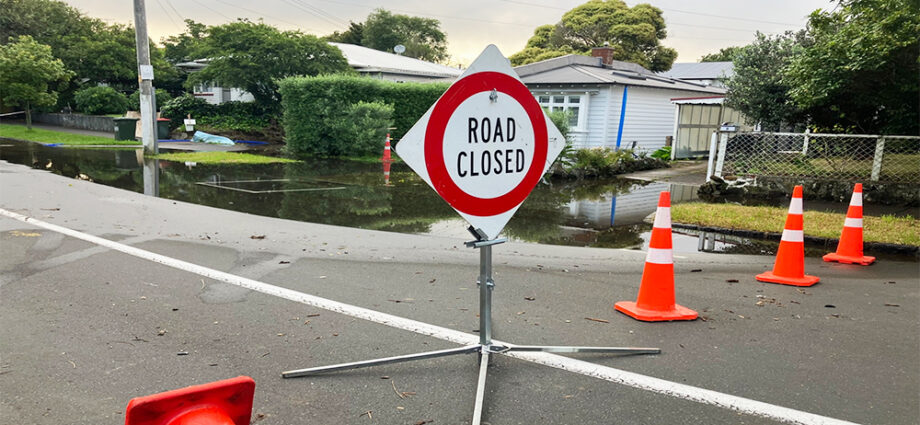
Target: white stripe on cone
(853,222)
(856,200)
(793,235)
(795,207)
(663,218)
(659,256)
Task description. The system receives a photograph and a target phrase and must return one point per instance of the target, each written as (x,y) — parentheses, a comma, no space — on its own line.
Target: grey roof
(364,59)
(700,71)
(578,69)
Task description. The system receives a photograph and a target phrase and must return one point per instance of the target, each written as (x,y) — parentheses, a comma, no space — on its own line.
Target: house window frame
(582,104)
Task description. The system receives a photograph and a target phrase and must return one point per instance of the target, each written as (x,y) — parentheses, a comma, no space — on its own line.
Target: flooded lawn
(607,214)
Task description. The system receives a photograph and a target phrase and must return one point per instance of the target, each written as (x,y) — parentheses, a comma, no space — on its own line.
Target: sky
(695,27)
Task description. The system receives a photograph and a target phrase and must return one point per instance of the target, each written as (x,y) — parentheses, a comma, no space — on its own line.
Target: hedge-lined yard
(315,109)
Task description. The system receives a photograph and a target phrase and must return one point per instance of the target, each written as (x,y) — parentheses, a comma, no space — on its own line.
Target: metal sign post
(482,146)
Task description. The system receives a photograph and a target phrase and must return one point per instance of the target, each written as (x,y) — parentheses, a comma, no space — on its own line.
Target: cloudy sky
(695,27)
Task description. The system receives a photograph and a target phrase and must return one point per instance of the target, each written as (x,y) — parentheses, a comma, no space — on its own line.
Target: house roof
(364,59)
(579,69)
(700,71)
(367,60)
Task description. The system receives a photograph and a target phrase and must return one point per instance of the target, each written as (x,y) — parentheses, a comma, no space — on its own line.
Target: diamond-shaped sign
(485,144)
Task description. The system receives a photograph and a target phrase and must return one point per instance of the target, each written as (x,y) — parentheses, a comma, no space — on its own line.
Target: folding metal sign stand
(485,346)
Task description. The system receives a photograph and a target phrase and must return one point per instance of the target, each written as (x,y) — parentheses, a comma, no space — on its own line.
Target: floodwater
(606,214)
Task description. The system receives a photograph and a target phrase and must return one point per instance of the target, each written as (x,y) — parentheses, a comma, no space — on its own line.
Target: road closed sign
(484,145)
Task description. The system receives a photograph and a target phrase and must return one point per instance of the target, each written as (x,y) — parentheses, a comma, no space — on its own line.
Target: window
(571,103)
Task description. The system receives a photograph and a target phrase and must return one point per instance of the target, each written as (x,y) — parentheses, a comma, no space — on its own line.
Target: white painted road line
(634,380)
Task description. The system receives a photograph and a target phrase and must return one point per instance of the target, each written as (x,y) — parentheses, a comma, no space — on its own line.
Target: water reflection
(608,214)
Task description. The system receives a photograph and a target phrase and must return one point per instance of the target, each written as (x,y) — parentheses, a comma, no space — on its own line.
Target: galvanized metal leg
(565,349)
(376,362)
(481,386)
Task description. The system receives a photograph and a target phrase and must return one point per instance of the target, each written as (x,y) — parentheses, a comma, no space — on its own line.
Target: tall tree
(726,54)
(860,70)
(253,56)
(352,35)
(422,37)
(757,89)
(635,34)
(30,75)
(185,47)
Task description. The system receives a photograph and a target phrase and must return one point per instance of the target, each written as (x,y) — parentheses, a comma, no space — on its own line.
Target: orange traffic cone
(386,151)
(789,268)
(227,402)
(656,291)
(850,247)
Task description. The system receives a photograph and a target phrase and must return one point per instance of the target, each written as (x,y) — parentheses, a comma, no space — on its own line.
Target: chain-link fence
(842,157)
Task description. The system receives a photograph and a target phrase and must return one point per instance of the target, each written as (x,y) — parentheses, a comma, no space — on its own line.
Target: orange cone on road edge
(850,247)
(386,151)
(655,302)
(789,268)
(227,402)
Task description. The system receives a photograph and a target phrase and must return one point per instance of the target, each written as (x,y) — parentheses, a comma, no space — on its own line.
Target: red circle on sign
(434,143)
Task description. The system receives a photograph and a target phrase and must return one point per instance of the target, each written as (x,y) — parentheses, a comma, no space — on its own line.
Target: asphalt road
(83,329)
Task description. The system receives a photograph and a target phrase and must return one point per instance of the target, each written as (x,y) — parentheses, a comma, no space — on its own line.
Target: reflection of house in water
(629,208)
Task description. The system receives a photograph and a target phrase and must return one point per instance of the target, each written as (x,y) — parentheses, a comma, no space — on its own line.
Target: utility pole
(145,80)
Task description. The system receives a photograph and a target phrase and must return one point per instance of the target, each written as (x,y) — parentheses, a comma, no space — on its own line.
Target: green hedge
(313,105)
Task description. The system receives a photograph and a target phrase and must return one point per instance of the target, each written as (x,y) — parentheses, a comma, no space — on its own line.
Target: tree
(185,47)
(352,35)
(29,75)
(859,72)
(726,54)
(253,56)
(757,89)
(635,34)
(95,51)
(422,37)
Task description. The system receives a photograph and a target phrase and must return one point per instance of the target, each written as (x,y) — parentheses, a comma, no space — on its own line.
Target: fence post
(713,142)
(723,141)
(805,144)
(877,160)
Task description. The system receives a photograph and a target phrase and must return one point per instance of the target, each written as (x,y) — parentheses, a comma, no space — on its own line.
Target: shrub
(663,153)
(162,96)
(228,116)
(178,108)
(315,106)
(100,100)
(360,131)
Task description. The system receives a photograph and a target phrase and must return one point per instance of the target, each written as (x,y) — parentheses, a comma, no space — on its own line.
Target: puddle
(604,214)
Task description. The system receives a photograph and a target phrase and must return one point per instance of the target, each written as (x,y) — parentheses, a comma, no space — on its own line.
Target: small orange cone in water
(386,151)
(656,291)
(227,402)
(789,268)
(850,247)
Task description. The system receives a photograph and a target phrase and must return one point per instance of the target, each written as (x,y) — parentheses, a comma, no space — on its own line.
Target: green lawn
(888,229)
(221,158)
(13,131)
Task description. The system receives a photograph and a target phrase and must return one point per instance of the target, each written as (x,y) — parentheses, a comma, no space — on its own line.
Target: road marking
(634,380)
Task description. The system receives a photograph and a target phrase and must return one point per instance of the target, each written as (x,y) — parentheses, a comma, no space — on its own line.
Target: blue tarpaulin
(202,137)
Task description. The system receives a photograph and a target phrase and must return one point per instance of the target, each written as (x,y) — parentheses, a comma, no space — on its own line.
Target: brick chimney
(605,53)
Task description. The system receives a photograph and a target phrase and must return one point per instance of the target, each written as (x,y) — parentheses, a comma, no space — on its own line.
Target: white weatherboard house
(367,62)
(612,104)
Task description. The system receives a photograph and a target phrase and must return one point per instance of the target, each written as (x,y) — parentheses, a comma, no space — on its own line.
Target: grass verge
(221,158)
(13,131)
(886,229)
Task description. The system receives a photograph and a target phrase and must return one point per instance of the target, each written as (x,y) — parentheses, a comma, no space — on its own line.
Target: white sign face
(484,144)
(146,72)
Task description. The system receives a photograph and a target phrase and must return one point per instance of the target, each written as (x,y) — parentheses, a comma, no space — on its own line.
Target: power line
(212,10)
(257,13)
(316,12)
(168,16)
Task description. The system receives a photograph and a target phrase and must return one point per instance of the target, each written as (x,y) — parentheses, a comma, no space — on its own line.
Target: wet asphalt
(83,329)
